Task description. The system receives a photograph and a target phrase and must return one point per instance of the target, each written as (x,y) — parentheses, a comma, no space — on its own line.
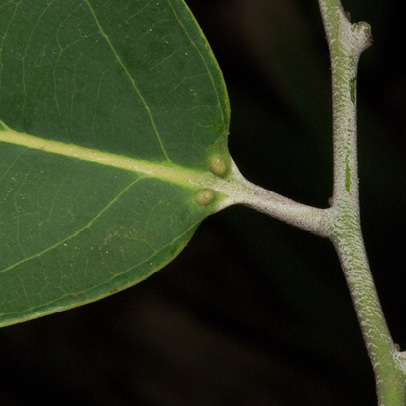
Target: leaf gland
(204,197)
(218,166)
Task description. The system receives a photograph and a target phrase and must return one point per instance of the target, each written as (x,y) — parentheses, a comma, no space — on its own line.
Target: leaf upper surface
(107,111)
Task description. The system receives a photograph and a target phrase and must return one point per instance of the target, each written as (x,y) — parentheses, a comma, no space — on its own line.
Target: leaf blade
(109,115)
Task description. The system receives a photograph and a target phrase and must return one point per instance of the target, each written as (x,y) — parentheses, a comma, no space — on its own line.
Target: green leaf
(113,120)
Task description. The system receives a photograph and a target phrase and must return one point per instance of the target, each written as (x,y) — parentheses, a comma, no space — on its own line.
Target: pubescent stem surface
(238,190)
(346,42)
(340,222)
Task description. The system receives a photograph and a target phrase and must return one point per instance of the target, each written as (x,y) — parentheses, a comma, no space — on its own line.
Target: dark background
(253,312)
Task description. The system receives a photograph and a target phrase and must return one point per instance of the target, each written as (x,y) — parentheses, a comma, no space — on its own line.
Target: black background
(253,312)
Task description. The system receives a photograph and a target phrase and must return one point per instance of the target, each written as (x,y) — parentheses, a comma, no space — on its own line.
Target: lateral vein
(131,79)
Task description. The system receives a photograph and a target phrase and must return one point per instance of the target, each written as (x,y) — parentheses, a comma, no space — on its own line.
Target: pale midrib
(170,173)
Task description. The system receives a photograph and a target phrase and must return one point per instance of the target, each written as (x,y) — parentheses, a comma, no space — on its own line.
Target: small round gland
(218,166)
(204,197)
